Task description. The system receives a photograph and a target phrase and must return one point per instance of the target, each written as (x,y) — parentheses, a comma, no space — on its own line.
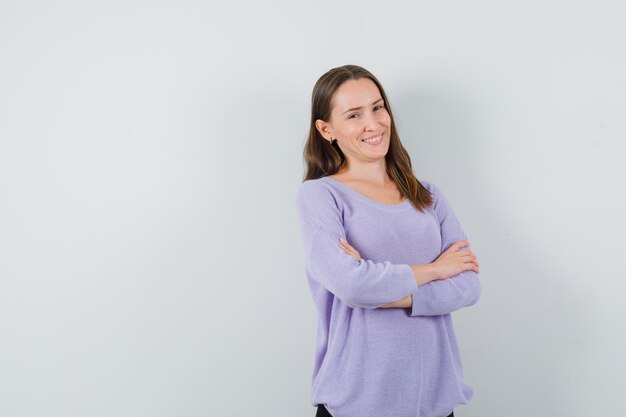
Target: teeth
(373,140)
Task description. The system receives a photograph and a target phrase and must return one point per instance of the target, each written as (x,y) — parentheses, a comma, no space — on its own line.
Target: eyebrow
(357,108)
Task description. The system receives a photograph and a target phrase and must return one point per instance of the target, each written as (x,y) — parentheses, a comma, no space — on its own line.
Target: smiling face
(359,121)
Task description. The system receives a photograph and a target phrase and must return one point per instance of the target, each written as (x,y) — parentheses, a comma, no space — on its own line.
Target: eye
(378,107)
(353,114)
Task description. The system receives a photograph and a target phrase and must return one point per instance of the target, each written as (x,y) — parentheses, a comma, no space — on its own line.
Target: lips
(373,140)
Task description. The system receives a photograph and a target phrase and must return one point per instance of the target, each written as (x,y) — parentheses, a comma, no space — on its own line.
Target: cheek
(384,119)
(353,129)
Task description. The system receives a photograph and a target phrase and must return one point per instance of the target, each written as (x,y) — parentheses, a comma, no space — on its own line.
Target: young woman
(386,262)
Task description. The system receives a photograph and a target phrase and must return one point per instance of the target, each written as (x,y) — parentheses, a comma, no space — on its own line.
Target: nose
(370,122)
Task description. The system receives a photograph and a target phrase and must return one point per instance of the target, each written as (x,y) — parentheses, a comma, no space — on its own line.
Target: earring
(331,140)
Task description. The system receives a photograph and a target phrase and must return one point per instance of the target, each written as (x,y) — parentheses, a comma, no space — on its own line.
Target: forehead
(355,93)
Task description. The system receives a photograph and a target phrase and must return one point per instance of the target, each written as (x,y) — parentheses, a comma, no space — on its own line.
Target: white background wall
(150,261)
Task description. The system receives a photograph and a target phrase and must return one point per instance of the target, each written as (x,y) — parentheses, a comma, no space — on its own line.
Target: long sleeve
(448,295)
(363,283)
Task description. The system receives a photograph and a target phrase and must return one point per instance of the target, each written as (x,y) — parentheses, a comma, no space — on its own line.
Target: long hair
(322,159)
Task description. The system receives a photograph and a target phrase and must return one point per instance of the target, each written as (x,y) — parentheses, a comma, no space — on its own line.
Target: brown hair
(322,159)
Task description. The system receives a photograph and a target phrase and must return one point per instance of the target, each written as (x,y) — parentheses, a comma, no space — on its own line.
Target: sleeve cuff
(415,301)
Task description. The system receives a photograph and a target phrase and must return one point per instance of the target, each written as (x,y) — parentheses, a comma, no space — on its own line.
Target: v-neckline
(366,199)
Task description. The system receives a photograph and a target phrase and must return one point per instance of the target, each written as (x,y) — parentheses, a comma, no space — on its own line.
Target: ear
(323,128)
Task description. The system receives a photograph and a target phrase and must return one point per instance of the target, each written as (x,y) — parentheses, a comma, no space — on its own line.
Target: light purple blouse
(382,362)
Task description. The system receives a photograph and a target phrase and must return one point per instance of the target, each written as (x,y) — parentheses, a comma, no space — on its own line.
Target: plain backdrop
(150,151)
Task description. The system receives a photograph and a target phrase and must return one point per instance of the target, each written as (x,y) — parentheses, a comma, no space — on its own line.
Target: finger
(471,265)
(348,249)
(457,245)
(345,242)
(468,257)
(353,252)
(464,254)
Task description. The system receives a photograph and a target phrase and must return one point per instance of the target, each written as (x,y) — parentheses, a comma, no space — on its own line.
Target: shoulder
(318,202)
(431,187)
(317,196)
(440,201)
(316,185)
(312,191)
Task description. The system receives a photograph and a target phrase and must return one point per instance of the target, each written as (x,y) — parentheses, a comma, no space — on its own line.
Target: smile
(373,141)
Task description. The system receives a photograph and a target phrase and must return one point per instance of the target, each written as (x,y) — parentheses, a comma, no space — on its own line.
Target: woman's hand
(454,261)
(349,249)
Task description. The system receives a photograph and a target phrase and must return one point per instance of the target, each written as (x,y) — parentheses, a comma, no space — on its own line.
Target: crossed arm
(445,267)
(441,287)
(406,302)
